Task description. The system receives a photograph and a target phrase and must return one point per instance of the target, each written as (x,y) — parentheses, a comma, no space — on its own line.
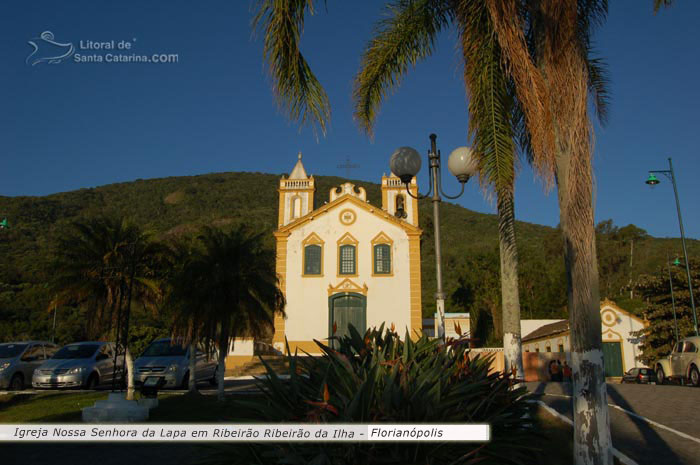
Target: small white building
(347,261)
(620,347)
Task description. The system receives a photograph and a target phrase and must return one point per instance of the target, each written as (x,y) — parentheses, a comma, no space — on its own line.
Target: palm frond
(296,88)
(490,102)
(598,86)
(404,38)
(661,3)
(509,23)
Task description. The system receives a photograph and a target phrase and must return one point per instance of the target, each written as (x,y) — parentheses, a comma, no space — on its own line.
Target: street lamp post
(673,299)
(405,163)
(652,180)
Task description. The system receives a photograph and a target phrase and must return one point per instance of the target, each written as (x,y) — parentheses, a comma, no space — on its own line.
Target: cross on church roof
(348,166)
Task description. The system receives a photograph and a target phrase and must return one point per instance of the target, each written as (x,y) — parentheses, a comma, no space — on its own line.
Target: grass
(60,407)
(49,407)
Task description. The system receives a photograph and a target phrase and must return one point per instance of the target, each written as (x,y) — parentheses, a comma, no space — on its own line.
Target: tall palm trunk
(130,383)
(192,383)
(510,298)
(592,442)
(223,352)
(591,421)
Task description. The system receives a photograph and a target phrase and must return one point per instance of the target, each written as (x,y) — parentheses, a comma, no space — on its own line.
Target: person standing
(566,372)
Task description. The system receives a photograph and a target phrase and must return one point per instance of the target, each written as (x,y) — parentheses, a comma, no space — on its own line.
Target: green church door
(612,357)
(347,309)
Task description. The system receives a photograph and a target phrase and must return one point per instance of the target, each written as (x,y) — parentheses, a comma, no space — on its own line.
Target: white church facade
(345,262)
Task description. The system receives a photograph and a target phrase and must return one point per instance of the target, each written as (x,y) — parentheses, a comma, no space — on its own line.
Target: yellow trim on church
(415,285)
(348,239)
(311,239)
(281,270)
(347,285)
(382,239)
(409,228)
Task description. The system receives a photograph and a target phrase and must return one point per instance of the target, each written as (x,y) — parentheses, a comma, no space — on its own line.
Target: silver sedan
(170,361)
(82,365)
(18,360)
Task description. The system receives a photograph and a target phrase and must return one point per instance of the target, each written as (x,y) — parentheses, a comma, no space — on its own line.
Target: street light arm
(419,196)
(450,196)
(666,173)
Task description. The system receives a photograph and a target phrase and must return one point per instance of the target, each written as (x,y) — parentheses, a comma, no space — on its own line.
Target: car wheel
(694,376)
(186,381)
(17,382)
(660,376)
(92,381)
(213,379)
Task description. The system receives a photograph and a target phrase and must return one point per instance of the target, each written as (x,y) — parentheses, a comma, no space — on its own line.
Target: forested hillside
(178,206)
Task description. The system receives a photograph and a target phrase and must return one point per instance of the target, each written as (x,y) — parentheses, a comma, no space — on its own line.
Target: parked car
(170,361)
(639,376)
(18,360)
(683,364)
(80,365)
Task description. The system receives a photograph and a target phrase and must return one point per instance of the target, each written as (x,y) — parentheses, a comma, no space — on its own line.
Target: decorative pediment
(347,239)
(347,285)
(348,188)
(610,335)
(312,239)
(382,238)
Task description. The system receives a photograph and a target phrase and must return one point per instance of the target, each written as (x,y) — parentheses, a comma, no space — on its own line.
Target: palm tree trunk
(130,384)
(592,443)
(223,352)
(510,298)
(192,384)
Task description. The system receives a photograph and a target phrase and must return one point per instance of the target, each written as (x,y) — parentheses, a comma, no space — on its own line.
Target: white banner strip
(217,432)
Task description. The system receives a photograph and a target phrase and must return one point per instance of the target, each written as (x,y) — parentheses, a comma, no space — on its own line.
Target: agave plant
(379,377)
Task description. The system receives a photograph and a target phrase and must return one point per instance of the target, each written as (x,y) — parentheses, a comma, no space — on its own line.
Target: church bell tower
(296,195)
(396,201)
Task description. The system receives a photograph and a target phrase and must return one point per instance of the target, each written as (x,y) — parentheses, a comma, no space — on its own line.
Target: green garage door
(345,310)
(612,357)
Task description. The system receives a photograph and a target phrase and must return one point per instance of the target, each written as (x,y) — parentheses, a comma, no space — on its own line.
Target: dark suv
(639,376)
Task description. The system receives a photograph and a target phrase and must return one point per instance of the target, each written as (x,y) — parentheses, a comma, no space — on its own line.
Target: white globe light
(462,163)
(405,163)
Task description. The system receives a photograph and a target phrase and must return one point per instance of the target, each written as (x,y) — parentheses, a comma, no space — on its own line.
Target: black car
(639,376)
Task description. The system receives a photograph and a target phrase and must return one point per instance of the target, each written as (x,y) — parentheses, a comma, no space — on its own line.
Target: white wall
(388,297)
(242,346)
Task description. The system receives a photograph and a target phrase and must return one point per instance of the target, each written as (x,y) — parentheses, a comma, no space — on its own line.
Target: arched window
(295,207)
(347,260)
(312,260)
(382,259)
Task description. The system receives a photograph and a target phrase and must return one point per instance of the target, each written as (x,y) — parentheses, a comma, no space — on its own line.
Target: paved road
(674,407)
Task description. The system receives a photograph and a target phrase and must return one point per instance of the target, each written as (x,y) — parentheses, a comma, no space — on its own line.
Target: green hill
(180,205)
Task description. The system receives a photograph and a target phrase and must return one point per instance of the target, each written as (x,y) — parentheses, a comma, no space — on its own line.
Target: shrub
(380,377)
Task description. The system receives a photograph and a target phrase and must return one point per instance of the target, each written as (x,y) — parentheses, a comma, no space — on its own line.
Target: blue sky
(71,125)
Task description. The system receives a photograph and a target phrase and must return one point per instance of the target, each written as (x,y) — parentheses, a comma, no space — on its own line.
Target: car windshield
(11,350)
(76,351)
(164,349)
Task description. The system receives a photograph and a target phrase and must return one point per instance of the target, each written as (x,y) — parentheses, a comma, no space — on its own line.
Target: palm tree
(544,47)
(405,37)
(104,265)
(227,288)
(187,324)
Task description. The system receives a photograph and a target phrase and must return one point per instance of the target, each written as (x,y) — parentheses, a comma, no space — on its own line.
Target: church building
(347,261)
